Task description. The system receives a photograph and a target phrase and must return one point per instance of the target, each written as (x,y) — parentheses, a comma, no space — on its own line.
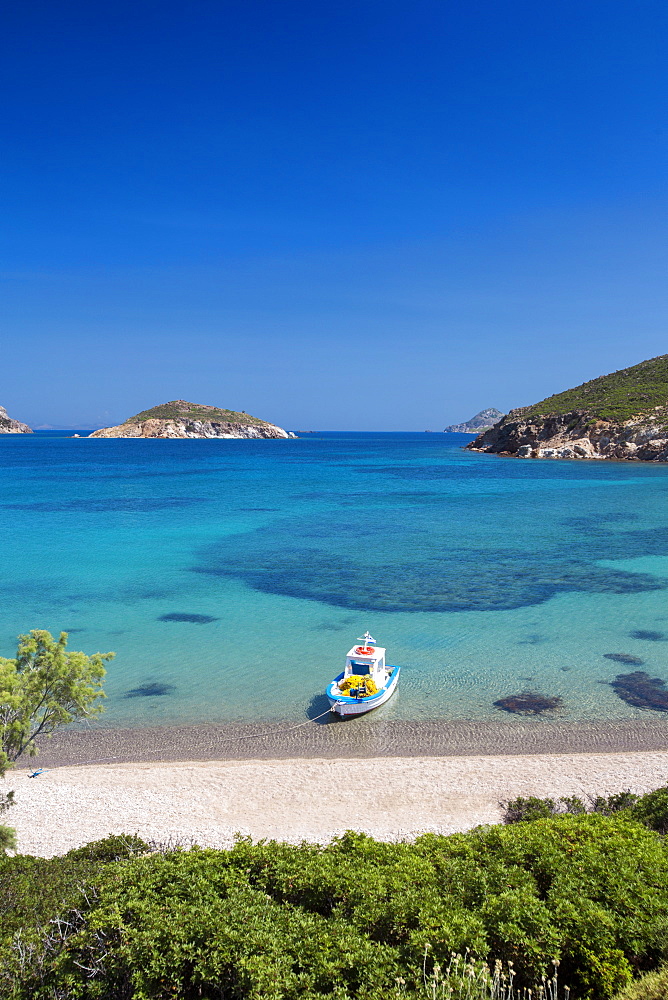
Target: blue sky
(352,215)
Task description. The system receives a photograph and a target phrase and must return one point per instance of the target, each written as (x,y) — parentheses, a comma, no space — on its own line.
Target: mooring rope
(270,732)
(256,736)
(197,746)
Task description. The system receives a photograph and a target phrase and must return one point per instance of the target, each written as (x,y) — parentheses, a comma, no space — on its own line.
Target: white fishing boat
(365,683)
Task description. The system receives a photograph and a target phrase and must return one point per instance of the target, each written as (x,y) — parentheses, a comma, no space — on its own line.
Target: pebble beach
(313,799)
(203,785)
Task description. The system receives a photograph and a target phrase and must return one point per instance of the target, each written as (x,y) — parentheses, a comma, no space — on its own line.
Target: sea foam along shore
(207,802)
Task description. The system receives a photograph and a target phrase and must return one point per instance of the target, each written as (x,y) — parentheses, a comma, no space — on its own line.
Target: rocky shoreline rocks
(578,435)
(620,416)
(190,429)
(180,419)
(9,426)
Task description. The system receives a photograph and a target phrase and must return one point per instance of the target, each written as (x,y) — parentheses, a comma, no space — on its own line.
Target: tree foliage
(44,687)
(7,835)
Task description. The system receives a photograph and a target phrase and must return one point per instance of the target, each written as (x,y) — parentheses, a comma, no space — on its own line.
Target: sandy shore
(302,798)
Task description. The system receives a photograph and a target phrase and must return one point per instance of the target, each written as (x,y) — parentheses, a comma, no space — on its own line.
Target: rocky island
(481,422)
(623,415)
(180,419)
(9,426)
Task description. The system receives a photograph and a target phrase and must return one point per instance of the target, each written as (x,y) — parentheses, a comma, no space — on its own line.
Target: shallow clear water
(483,576)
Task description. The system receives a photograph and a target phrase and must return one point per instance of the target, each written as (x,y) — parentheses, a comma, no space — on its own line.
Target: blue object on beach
(36,774)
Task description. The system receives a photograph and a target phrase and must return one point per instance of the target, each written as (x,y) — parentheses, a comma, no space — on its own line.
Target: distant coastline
(482,421)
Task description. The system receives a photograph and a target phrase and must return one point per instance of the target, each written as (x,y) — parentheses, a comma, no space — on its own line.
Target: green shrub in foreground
(653,986)
(651,809)
(355,919)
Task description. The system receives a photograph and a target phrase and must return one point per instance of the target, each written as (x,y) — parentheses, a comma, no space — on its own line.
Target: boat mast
(367,639)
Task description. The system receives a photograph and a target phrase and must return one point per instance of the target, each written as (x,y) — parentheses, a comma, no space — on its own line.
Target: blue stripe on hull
(359,706)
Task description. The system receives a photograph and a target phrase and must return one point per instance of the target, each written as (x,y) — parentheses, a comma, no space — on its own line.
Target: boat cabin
(362,660)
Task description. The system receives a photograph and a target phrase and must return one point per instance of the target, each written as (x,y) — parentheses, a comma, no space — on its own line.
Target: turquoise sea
(231,577)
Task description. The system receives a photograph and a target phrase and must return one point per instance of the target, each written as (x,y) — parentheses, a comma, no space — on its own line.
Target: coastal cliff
(623,415)
(9,426)
(180,419)
(481,422)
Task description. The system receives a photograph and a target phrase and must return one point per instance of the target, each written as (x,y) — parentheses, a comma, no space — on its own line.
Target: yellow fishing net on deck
(364,685)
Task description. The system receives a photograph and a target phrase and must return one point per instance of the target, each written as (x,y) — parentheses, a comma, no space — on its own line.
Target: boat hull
(344,705)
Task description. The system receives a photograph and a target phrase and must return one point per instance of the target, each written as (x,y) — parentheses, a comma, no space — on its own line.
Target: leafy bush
(7,839)
(521,810)
(653,986)
(7,835)
(114,848)
(607,805)
(355,919)
(651,809)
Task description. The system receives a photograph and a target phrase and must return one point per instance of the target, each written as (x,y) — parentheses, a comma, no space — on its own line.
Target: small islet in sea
(231,576)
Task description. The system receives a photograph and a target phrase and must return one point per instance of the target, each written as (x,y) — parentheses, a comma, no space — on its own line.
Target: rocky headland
(9,426)
(623,415)
(481,422)
(180,419)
